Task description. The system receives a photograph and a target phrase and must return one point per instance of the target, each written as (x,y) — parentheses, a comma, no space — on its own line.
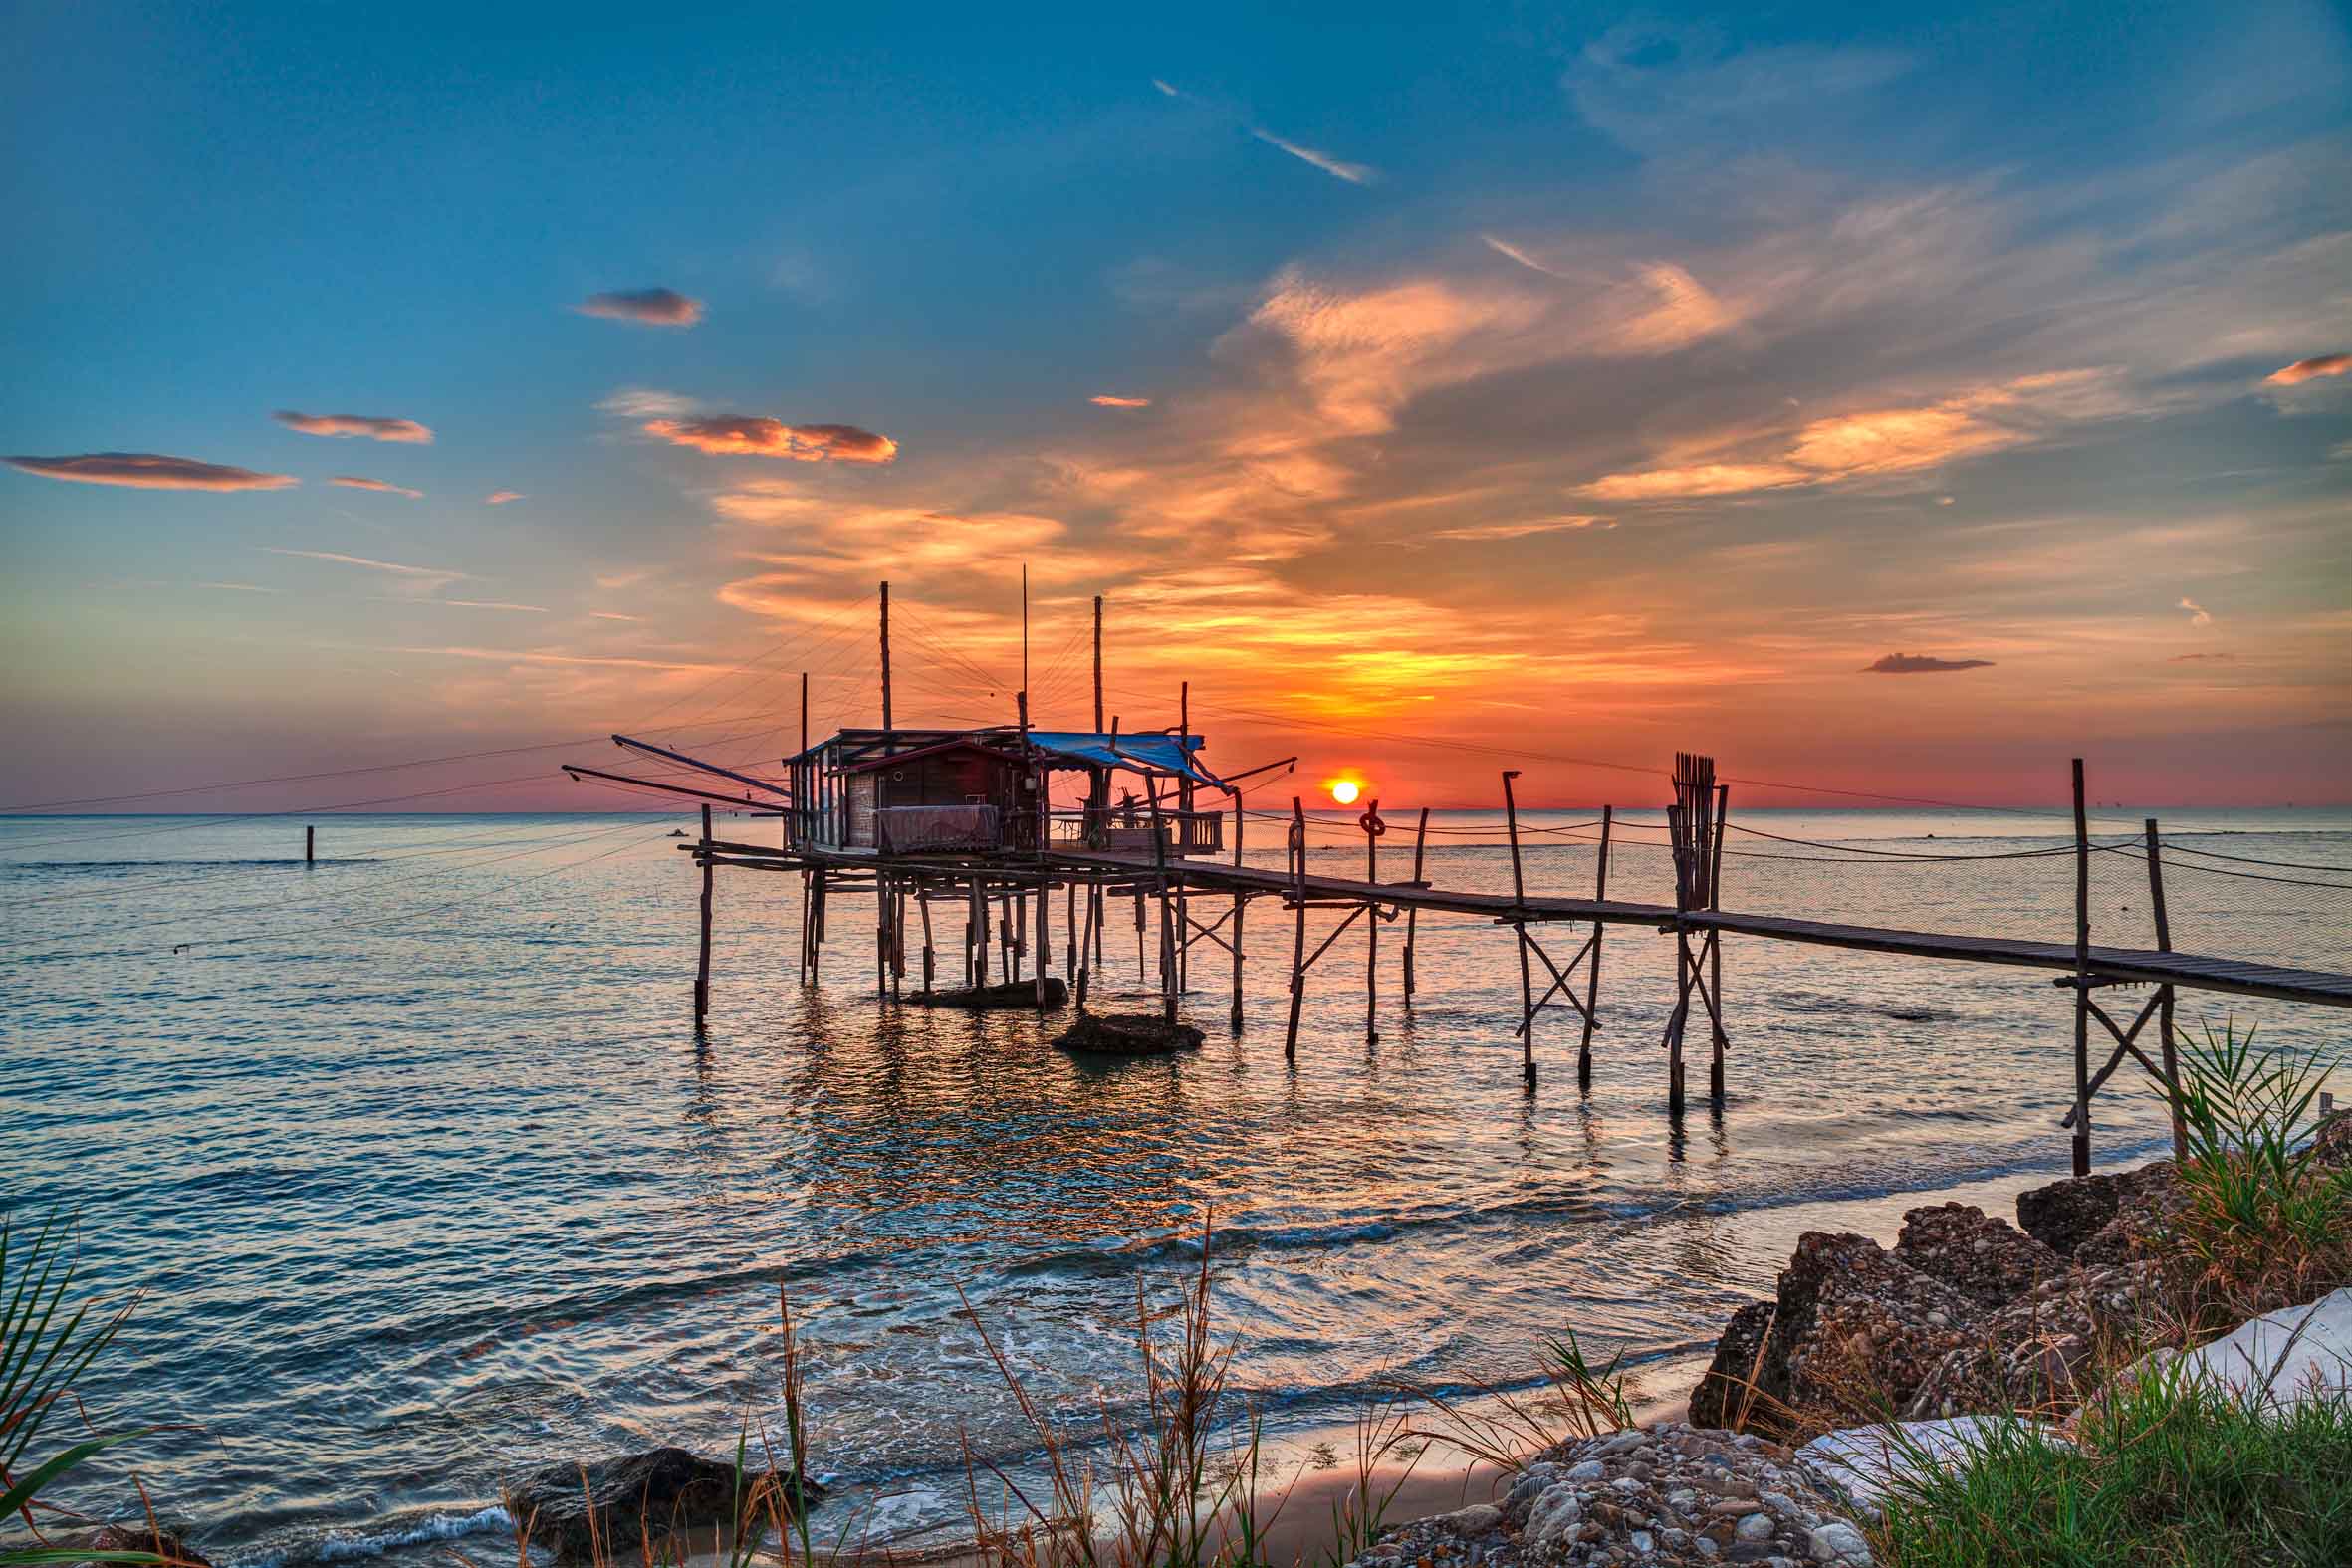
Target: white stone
(1555,1515)
(1641,1542)
(1590,1469)
(1755,1527)
(1866,1462)
(1838,1542)
(2282,1359)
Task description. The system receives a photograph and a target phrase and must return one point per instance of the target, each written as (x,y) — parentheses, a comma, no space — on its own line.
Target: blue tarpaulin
(1138,752)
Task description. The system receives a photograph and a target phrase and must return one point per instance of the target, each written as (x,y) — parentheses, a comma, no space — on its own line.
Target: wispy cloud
(1920,664)
(239,587)
(433,573)
(1884,441)
(1338,169)
(494,605)
(2202,658)
(2199,615)
(1165,88)
(1106,400)
(148,471)
(758,436)
(352,482)
(612,615)
(1503,247)
(647,307)
(499,497)
(375,428)
(648,402)
(2308,369)
(1482,531)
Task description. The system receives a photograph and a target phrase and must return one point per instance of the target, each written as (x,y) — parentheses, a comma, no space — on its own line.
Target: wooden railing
(938,829)
(1128,830)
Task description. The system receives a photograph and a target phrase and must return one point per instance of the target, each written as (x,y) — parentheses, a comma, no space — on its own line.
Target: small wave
(335,1548)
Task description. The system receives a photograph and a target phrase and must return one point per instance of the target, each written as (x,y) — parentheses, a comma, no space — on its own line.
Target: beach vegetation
(2166,1469)
(45,1348)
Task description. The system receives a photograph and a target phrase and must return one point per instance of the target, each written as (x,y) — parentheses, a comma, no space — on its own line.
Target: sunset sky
(1882,398)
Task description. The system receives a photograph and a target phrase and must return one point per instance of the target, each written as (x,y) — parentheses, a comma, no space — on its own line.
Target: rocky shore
(1786,1445)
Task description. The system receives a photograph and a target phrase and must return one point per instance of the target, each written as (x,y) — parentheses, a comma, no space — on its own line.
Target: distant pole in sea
(310,845)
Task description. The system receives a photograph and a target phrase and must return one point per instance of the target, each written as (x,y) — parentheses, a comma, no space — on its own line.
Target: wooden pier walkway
(2120,965)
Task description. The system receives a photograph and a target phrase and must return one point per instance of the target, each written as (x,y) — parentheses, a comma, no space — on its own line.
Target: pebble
(1754,1527)
(1590,1469)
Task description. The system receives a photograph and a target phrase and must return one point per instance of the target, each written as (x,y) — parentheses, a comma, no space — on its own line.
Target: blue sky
(1623,378)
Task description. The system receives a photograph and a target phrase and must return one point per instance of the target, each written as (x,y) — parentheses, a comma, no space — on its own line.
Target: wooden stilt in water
(1043,960)
(1690,824)
(976,965)
(1298,942)
(1170,962)
(2082,978)
(1600,891)
(929,957)
(1373,830)
(1241,904)
(2164,996)
(310,845)
(1519,929)
(702,957)
(1413,915)
(1715,1082)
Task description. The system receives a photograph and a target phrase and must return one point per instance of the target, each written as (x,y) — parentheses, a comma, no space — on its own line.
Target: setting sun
(1345,791)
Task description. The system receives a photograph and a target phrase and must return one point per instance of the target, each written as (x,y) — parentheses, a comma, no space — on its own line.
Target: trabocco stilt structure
(933,823)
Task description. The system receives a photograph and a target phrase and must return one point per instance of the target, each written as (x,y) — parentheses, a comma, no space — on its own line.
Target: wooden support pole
(1170,962)
(2164,994)
(1371,822)
(1241,905)
(1413,915)
(702,958)
(979,932)
(1299,941)
(886,655)
(1043,958)
(1714,1083)
(882,934)
(929,957)
(1600,891)
(309,842)
(2082,978)
(1518,897)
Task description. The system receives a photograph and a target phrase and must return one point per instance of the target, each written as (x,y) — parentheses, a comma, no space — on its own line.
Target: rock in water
(1128,1034)
(137,1538)
(1722,1396)
(1856,1327)
(1988,1260)
(661,1492)
(2066,1216)
(2033,1354)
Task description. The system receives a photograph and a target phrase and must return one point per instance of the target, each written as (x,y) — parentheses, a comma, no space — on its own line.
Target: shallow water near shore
(430,1180)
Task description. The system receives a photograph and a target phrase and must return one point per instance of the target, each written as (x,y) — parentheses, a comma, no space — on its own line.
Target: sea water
(428,1177)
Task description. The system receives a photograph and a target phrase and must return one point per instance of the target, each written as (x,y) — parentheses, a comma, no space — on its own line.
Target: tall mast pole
(886,655)
(1097,664)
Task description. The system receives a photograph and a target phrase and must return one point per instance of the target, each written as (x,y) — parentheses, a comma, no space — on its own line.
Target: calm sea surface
(429,1178)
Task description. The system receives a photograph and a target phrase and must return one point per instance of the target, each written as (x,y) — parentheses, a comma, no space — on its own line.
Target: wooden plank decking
(2131,965)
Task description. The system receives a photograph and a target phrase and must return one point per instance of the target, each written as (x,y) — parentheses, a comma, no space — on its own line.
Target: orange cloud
(1105,400)
(758,436)
(375,427)
(2307,369)
(646,307)
(1557,524)
(1881,442)
(1920,664)
(148,471)
(351,482)
(499,497)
